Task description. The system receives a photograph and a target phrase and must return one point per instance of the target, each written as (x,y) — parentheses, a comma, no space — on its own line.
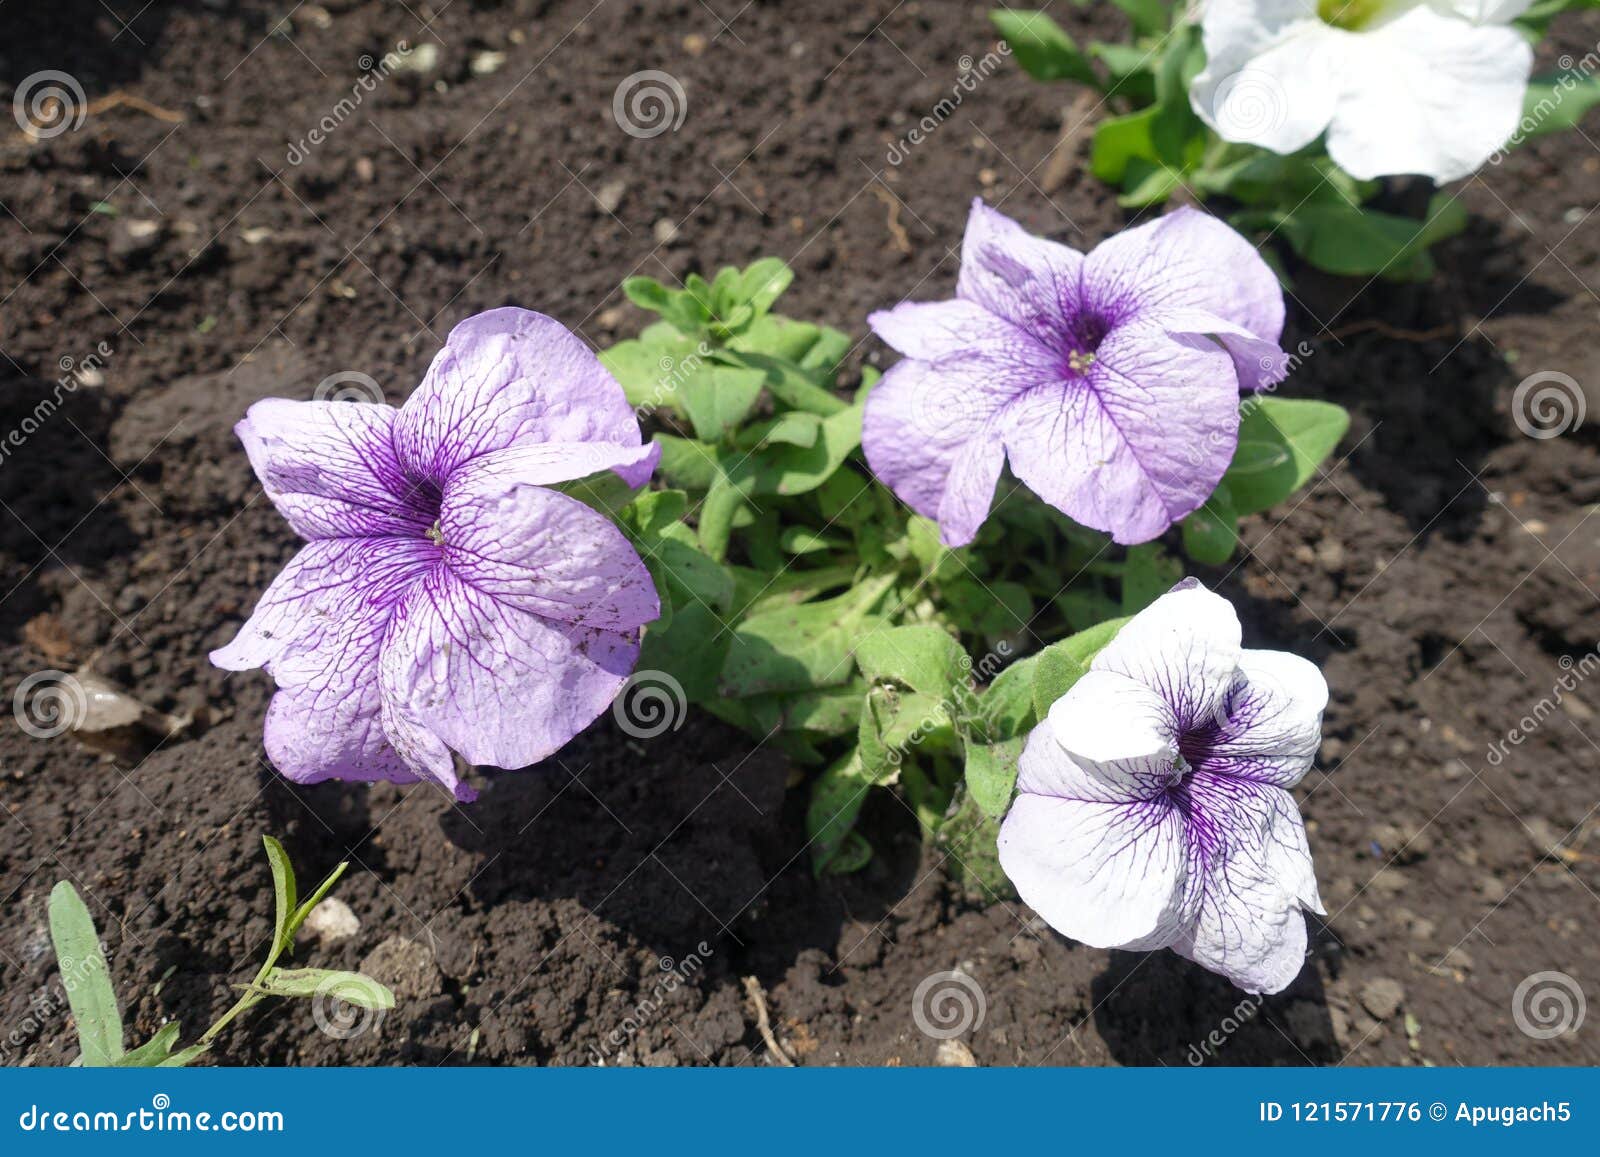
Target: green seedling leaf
(283,897)
(314,899)
(153,1052)
(1282,441)
(85,977)
(925,659)
(1042,47)
(992,775)
(763,282)
(351,987)
(183,1057)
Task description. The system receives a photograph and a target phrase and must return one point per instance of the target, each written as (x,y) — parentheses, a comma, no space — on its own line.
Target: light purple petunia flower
(447,598)
(1109,381)
(1152,809)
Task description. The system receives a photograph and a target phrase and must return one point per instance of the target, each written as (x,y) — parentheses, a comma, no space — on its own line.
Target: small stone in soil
(954,1054)
(1382,997)
(332,921)
(405,966)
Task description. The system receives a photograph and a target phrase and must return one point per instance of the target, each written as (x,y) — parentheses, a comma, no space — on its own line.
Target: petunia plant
(851,576)
(1293,115)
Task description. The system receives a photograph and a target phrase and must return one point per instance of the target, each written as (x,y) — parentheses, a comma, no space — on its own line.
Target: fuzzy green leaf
(85,977)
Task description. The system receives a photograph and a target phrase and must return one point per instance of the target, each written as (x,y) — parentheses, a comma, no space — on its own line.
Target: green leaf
(1006,705)
(693,649)
(351,987)
(317,896)
(719,398)
(1147,574)
(836,798)
(1282,441)
(1150,17)
(283,897)
(970,836)
(992,775)
(85,977)
(1053,676)
(182,1057)
(923,658)
(1556,102)
(1340,238)
(153,1052)
(801,648)
(792,385)
(1042,47)
(1120,140)
(763,282)
(1211,534)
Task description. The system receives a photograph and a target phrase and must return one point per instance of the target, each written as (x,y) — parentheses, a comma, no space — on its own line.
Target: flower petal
(1273,72)
(1106,874)
(499,685)
(1028,281)
(541,552)
(1191,274)
(330,467)
(927,434)
(1431,94)
(507,377)
(1135,444)
(319,630)
(1254,876)
(1270,725)
(1185,646)
(1109,739)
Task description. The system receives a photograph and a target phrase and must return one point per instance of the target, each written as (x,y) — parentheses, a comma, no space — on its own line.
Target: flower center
(1079,361)
(435,533)
(1351,15)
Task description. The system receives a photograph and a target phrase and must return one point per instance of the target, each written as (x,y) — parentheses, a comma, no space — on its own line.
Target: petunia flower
(448,599)
(1153,807)
(1400,86)
(1109,381)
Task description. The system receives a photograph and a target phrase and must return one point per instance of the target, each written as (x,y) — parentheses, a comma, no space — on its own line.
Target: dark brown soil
(1441,571)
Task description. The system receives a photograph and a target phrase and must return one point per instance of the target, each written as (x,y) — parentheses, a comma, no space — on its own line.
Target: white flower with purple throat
(1153,806)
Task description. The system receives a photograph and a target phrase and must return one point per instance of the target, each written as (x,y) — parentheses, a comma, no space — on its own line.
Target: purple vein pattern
(448,599)
(1153,807)
(1110,382)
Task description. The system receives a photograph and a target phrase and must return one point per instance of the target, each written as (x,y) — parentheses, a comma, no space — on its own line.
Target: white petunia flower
(1153,808)
(1400,86)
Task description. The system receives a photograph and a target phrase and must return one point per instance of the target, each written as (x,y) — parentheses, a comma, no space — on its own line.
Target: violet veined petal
(927,435)
(1185,646)
(1110,738)
(1270,726)
(1248,842)
(1106,874)
(497,684)
(541,552)
(1185,271)
(509,377)
(425,755)
(551,463)
(1028,281)
(318,631)
(330,468)
(1137,442)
